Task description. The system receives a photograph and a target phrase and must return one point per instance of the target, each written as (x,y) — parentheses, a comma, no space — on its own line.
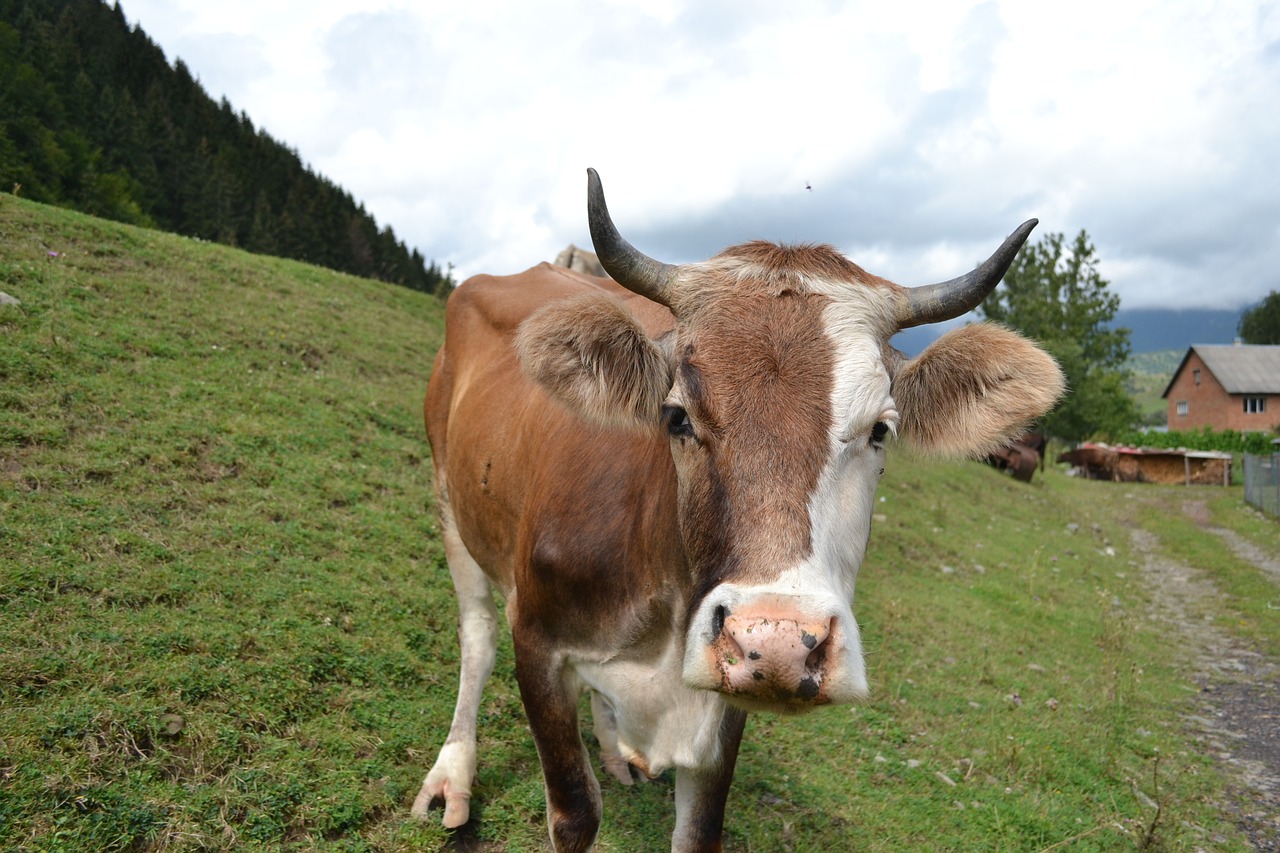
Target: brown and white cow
(670,481)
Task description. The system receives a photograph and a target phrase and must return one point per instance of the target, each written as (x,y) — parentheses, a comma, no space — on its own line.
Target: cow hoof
(457,804)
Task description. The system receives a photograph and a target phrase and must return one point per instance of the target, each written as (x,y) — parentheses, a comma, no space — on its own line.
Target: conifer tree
(1054,294)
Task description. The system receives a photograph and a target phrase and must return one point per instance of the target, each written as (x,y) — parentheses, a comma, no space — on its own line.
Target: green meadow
(226,623)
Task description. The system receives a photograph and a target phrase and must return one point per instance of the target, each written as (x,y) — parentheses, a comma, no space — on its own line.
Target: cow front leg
(451,776)
(551,704)
(701,793)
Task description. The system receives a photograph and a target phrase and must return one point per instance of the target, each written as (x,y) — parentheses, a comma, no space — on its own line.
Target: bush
(1227,441)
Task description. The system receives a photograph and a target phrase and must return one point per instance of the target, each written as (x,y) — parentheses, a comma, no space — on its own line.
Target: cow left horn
(933,303)
(630,267)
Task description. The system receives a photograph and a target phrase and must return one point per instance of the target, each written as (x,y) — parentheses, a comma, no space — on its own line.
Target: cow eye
(878,433)
(677,422)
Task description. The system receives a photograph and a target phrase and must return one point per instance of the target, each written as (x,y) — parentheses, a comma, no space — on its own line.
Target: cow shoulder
(499,304)
(973,390)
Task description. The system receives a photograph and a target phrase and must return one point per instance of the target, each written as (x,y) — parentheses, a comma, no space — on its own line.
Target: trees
(1053,293)
(1261,323)
(92,116)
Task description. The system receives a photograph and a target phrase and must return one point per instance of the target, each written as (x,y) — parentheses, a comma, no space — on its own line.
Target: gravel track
(1237,715)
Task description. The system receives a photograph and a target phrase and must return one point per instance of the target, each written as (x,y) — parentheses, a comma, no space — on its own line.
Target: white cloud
(927,130)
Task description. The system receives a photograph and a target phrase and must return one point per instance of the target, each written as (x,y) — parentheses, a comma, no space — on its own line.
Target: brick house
(1226,387)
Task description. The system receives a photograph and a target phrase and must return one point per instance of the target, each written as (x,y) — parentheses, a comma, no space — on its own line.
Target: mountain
(1152,329)
(93,117)
(1161,328)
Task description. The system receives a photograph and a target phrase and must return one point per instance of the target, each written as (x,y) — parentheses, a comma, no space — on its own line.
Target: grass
(225,622)
(1149,374)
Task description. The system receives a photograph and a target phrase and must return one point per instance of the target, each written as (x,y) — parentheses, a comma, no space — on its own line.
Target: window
(1182,407)
(1196,374)
(1255,405)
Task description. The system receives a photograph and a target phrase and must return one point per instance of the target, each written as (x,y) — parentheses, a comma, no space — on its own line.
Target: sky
(914,136)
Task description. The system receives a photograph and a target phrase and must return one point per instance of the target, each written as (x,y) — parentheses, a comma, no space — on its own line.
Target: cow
(1016,459)
(580,260)
(1037,442)
(1094,462)
(1021,456)
(669,477)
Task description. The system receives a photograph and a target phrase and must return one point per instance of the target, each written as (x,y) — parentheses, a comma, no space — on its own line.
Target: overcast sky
(927,131)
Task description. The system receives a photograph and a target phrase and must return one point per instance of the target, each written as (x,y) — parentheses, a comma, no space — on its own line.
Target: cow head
(778,392)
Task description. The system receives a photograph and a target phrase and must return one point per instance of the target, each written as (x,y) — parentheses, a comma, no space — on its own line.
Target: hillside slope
(225,619)
(94,117)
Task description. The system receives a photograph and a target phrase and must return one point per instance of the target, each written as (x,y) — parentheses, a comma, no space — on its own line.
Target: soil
(1237,711)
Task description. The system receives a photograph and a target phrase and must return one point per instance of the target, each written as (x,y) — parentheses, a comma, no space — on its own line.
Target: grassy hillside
(225,622)
(1150,373)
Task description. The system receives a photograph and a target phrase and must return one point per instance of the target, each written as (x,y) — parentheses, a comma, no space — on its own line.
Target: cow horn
(631,268)
(933,303)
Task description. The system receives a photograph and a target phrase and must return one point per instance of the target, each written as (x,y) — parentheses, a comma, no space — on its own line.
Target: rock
(172,724)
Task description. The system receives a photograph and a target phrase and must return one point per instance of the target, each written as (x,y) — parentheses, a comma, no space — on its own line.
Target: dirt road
(1237,719)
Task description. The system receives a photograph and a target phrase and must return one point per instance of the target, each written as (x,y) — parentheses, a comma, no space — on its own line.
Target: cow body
(1094,462)
(671,484)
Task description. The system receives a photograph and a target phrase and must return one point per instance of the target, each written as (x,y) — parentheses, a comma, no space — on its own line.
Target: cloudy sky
(912,135)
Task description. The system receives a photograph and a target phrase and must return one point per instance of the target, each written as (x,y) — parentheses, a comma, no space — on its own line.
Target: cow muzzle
(774,653)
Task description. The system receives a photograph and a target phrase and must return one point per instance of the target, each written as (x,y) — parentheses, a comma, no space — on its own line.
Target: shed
(1189,467)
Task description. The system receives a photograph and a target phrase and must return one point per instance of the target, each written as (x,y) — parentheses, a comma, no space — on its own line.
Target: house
(1226,387)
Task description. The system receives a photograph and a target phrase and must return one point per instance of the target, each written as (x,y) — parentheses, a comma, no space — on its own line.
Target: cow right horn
(630,267)
(933,303)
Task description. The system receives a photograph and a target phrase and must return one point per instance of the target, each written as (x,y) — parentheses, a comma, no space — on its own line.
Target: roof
(1239,369)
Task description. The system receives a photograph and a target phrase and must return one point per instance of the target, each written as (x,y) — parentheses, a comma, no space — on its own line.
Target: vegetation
(1147,375)
(1227,440)
(93,117)
(1261,323)
(1054,294)
(225,621)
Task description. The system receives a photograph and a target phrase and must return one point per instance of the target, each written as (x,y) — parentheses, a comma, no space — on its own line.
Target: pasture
(225,620)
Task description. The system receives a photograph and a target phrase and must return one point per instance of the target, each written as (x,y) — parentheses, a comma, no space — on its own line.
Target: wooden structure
(1150,465)
(1189,467)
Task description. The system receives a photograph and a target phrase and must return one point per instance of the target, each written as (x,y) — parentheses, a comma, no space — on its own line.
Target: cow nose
(776,656)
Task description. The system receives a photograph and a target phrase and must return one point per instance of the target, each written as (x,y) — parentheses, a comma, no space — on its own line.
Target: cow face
(777,394)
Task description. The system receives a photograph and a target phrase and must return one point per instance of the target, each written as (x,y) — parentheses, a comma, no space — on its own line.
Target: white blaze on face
(841,506)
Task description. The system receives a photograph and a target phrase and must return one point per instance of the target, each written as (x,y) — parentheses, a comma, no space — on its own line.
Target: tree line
(1260,324)
(93,117)
(1054,294)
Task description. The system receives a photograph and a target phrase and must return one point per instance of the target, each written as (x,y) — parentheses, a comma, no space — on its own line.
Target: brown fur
(973,390)
(764,373)
(761,267)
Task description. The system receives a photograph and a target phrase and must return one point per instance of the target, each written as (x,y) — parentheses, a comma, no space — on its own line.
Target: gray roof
(1242,369)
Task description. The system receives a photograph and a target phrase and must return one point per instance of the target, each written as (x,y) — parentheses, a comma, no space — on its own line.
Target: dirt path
(1238,713)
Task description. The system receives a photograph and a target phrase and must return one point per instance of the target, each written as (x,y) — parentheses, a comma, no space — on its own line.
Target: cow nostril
(817,647)
(717,621)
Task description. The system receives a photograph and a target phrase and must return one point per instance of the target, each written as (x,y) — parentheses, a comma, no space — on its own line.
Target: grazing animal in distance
(1021,456)
(669,477)
(1093,461)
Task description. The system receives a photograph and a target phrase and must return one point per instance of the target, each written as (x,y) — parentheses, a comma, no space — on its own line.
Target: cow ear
(594,358)
(973,390)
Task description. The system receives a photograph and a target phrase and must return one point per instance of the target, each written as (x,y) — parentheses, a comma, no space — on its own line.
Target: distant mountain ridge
(1161,328)
(1152,329)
